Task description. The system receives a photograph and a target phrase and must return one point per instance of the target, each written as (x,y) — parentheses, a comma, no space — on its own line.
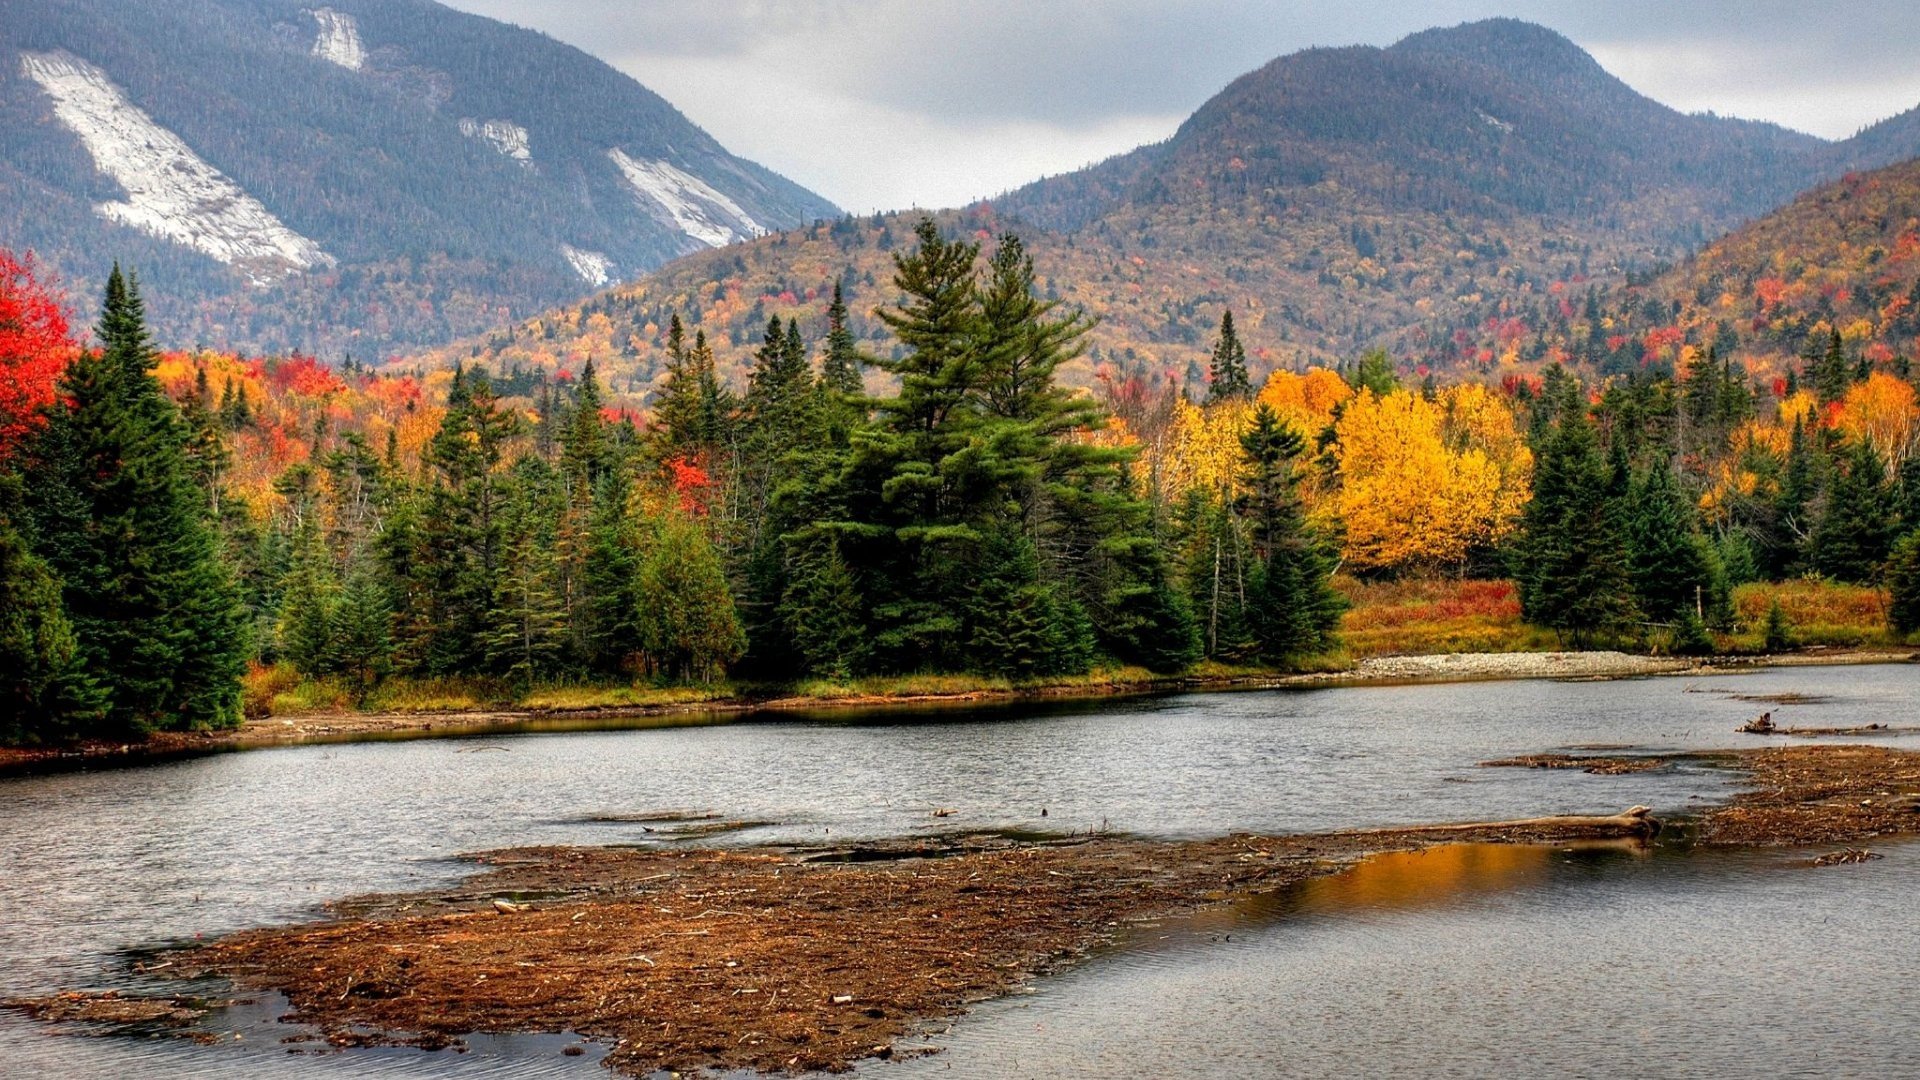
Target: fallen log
(1637,821)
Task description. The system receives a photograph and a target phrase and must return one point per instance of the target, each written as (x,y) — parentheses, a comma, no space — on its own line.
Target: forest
(181,529)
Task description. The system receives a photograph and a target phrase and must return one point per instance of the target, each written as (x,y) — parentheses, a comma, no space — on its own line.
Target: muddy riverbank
(260,733)
(800,958)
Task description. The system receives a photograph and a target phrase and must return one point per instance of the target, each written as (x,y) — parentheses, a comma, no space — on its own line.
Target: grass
(929,685)
(1423,616)
(1818,612)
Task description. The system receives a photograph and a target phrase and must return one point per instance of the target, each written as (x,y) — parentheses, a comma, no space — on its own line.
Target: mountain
(362,176)
(1844,256)
(1411,197)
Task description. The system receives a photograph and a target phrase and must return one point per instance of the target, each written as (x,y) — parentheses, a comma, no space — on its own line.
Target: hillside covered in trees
(1430,198)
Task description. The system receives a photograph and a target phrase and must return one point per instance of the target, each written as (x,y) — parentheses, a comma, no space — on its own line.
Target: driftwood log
(1637,821)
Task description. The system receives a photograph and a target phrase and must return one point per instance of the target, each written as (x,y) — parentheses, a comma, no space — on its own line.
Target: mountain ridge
(1412,197)
(459,171)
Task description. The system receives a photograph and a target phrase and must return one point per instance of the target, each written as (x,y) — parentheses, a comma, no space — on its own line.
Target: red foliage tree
(35,346)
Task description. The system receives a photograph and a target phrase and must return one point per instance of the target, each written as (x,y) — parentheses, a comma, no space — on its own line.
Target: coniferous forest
(175,526)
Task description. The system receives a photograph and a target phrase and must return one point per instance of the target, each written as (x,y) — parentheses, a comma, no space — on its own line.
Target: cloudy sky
(885,104)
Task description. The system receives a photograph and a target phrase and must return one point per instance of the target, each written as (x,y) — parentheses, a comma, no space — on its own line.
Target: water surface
(103,863)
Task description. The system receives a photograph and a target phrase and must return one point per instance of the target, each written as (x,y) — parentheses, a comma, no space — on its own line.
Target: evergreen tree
(1017,624)
(46,694)
(362,641)
(1672,571)
(1791,523)
(584,453)
(1903,585)
(1857,530)
(1227,376)
(840,368)
(1828,369)
(310,591)
(822,611)
(1572,557)
(1778,633)
(1292,611)
(1375,373)
(456,541)
(525,636)
(612,634)
(118,518)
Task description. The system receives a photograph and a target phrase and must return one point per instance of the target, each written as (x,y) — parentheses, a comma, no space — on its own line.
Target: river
(1466,961)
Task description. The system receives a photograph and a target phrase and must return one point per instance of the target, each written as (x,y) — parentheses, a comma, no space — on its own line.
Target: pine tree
(118,518)
(1903,585)
(1672,572)
(1227,376)
(840,368)
(362,640)
(1572,563)
(1292,611)
(1857,530)
(46,694)
(1828,369)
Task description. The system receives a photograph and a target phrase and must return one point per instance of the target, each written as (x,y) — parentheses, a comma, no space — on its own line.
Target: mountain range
(1412,198)
(359,176)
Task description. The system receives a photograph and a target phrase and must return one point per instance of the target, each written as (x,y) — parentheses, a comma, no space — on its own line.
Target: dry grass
(1820,613)
(1424,616)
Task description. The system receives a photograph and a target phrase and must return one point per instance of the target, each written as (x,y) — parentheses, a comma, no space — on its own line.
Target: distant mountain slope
(1845,256)
(1417,197)
(360,175)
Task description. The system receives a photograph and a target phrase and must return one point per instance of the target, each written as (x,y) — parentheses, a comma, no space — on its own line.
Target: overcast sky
(886,104)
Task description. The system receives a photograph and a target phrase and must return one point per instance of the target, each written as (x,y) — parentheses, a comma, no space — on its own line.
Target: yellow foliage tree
(1305,402)
(1882,411)
(1424,483)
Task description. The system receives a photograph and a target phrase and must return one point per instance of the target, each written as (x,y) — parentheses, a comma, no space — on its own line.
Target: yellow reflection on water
(1413,879)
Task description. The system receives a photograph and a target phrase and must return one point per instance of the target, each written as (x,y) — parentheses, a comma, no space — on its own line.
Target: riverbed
(103,864)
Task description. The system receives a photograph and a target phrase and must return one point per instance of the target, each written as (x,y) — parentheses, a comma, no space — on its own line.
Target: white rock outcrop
(694,206)
(171,192)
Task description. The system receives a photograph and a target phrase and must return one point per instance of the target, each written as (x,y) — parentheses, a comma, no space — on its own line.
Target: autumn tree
(35,347)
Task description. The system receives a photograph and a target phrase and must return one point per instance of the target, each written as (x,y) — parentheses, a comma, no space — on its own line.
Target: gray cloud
(889,103)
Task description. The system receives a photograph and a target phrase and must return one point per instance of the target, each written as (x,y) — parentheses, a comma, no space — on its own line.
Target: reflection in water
(1481,961)
(96,864)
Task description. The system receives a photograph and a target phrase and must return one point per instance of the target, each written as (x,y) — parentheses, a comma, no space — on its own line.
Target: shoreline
(798,959)
(335,727)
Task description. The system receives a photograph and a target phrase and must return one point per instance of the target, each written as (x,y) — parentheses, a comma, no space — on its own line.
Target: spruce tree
(840,368)
(1903,585)
(362,636)
(1227,376)
(1672,572)
(1572,560)
(822,610)
(1292,611)
(1828,369)
(118,518)
(1860,522)
(46,694)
